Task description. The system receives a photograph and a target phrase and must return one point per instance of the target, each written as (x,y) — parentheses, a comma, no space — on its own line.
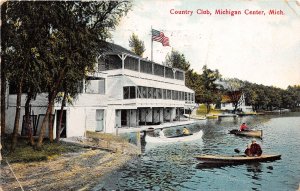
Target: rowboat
(249,133)
(211,117)
(234,159)
(174,139)
(198,117)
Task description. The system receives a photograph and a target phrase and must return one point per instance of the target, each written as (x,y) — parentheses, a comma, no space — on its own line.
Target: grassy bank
(26,153)
(202,110)
(79,165)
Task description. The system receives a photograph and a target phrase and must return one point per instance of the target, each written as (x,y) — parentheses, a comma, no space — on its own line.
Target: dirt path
(72,171)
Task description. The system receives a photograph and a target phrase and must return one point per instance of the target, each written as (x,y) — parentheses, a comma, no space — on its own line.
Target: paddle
(237,150)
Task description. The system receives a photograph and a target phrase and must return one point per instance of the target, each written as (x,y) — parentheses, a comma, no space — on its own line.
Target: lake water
(173,166)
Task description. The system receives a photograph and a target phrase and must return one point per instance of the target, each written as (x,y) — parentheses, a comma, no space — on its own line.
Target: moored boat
(198,117)
(227,115)
(211,117)
(249,133)
(234,159)
(174,139)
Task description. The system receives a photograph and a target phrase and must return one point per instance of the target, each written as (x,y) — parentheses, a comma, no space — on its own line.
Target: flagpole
(151,46)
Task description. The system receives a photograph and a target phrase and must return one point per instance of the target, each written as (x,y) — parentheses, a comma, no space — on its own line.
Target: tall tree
(56,38)
(137,46)
(234,89)
(210,89)
(177,60)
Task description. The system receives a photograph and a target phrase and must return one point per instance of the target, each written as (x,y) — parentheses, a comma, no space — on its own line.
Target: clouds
(260,49)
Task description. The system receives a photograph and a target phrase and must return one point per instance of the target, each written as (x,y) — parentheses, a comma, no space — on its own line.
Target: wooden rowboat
(236,159)
(249,133)
(174,139)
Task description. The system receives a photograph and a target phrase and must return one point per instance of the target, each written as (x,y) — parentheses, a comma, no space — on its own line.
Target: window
(144,92)
(164,95)
(129,92)
(154,93)
(179,75)
(158,70)
(169,73)
(169,94)
(131,64)
(146,67)
(111,62)
(159,94)
(126,92)
(150,93)
(132,92)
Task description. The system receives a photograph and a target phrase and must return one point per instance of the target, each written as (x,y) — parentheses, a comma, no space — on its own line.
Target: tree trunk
(17,117)
(50,123)
(43,128)
(3,98)
(52,94)
(235,107)
(28,119)
(207,108)
(63,103)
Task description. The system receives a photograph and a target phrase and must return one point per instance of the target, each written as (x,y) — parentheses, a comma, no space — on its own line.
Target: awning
(132,81)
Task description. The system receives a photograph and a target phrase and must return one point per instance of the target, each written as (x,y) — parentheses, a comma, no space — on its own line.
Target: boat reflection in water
(205,166)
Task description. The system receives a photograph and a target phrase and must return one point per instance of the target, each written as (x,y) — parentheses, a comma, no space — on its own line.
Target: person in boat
(254,149)
(243,127)
(161,134)
(185,131)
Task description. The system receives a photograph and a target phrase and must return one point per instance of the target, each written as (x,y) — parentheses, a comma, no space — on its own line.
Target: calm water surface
(173,167)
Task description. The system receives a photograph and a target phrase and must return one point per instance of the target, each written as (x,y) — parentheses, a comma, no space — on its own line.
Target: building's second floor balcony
(126,64)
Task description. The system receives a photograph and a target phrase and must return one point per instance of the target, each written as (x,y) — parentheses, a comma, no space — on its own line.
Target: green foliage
(204,85)
(210,93)
(268,97)
(137,45)
(177,60)
(25,153)
(53,45)
(234,89)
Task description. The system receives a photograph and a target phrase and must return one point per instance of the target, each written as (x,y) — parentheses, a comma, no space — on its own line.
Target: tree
(91,21)
(250,94)
(57,40)
(210,89)
(192,79)
(137,45)
(177,60)
(234,89)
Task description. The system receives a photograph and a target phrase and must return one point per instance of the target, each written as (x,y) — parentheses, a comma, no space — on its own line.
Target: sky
(263,49)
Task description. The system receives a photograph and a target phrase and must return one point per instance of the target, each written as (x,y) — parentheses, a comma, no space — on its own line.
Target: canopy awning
(132,81)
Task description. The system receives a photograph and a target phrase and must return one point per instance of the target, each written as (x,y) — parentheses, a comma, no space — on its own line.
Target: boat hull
(198,117)
(248,133)
(236,159)
(193,137)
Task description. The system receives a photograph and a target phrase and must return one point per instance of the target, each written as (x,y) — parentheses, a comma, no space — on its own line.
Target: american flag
(160,37)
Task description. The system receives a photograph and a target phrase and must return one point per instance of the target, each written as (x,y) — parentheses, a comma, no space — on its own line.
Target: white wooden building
(227,103)
(126,91)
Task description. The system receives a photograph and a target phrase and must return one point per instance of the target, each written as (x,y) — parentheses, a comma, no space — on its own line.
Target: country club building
(126,91)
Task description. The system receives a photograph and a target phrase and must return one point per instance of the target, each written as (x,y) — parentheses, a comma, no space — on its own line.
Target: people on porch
(243,127)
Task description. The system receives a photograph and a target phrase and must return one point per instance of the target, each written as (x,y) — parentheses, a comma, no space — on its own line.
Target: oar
(237,150)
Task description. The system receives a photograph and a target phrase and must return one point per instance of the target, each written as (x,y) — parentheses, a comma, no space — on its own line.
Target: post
(117,130)
(151,46)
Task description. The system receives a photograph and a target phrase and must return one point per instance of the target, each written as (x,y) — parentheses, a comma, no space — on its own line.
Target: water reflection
(205,166)
(255,170)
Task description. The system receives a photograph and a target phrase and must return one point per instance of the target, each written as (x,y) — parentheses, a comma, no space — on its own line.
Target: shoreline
(71,171)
